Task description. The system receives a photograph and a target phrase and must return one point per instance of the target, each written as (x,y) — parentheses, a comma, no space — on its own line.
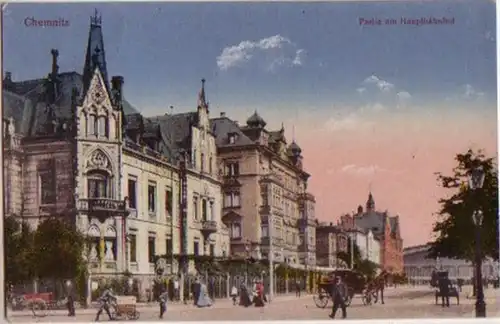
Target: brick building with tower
(385,231)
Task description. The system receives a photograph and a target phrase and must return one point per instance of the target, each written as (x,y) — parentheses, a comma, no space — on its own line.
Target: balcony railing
(209,226)
(101,205)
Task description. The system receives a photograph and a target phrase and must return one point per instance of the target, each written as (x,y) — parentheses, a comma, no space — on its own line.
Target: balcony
(103,206)
(208,227)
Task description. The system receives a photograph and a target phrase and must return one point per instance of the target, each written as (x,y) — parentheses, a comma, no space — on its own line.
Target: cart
(355,282)
(125,308)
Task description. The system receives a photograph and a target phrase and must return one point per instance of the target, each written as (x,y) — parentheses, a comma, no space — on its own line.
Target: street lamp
(247,260)
(476,181)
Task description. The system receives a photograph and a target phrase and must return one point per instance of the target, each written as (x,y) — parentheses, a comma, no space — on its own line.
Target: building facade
(386,230)
(367,242)
(330,240)
(81,151)
(418,268)
(266,202)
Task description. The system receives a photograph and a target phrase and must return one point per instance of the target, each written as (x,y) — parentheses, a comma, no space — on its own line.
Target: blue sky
(372,106)
(164,49)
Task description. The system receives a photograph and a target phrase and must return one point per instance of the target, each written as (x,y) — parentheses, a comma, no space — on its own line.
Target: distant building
(386,230)
(418,268)
(265,191)
(330,240)
(367,242)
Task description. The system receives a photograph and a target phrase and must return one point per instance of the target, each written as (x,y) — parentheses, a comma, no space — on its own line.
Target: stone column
(120,246)
(102,247)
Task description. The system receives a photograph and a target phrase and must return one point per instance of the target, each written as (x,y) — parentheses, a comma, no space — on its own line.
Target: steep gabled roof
(222,127)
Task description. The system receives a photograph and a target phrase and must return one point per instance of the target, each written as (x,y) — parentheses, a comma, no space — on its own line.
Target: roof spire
(370,203)
(95,55)
(202,102)
(96,20)
(293,133)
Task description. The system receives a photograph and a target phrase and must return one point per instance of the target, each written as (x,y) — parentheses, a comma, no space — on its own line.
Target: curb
(218,303)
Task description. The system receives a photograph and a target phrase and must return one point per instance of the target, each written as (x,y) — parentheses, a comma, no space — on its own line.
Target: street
(399,303)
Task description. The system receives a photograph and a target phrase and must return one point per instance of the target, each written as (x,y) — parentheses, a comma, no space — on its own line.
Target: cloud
(361,90)
(403,95)
(382,85)
(471,93)
(489,35)
(350,122)
(361,170)
(275,51)
(376,107)
(365,170)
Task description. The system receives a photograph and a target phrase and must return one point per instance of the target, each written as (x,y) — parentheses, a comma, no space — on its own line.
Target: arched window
(91,125)
(235,230)
(102,126)
(98,185)
(110,246)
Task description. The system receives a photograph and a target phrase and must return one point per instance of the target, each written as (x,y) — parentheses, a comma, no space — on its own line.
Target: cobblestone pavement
(400,303)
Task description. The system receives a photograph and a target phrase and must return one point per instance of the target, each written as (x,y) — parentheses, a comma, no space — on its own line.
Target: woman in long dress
(245,296)
(203,299)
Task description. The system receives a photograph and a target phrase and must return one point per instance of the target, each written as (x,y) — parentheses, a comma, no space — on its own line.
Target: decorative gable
(97,95)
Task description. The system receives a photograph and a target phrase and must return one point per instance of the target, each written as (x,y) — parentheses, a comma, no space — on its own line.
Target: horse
(379,284)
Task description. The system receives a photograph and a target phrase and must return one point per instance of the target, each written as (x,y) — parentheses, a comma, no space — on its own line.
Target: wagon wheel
(367,297)
(350,295)
(39,308)
(321,300)
(133,315)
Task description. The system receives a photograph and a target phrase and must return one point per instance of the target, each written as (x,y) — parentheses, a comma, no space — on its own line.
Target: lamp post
(247,260)
(476,181)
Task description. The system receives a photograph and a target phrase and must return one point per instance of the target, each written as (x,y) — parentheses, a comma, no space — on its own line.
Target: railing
(101,204)
(209,225)
(145,150)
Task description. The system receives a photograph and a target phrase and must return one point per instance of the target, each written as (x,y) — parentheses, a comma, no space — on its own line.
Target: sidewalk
(148,307)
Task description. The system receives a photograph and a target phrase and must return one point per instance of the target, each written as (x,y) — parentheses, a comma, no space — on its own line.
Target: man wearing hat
(339,294)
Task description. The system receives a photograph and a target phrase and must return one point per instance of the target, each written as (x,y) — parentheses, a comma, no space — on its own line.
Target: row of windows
(97,126)
(168,248)
(232,199)
(152,197)
(207,209)
(203,162)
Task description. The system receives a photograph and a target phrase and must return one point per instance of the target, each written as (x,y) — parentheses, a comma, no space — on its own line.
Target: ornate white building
(75,148)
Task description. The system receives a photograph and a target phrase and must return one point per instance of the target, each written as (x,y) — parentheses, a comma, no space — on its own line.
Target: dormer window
(232,138)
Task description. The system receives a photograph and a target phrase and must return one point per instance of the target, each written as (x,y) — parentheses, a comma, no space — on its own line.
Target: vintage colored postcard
(194,161)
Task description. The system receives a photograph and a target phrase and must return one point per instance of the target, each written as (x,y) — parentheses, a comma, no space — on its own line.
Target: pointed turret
(370,203)
(202,101)
(95,56)
(256,121)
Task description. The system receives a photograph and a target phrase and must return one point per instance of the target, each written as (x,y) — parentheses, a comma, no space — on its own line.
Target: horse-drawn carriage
(356,283)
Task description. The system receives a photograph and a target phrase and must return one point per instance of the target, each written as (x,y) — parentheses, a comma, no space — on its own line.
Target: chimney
(117,87)
(55,67)
(223,114)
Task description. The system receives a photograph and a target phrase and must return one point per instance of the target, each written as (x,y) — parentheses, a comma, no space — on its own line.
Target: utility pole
(271,255)
(3,295)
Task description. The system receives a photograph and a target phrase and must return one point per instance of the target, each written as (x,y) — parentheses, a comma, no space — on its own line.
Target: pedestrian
(234,294)
(444,291)
(460,283)
(106,299)
(162,299)
(338,293)
(70,303)
(297,288)
(177,296)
